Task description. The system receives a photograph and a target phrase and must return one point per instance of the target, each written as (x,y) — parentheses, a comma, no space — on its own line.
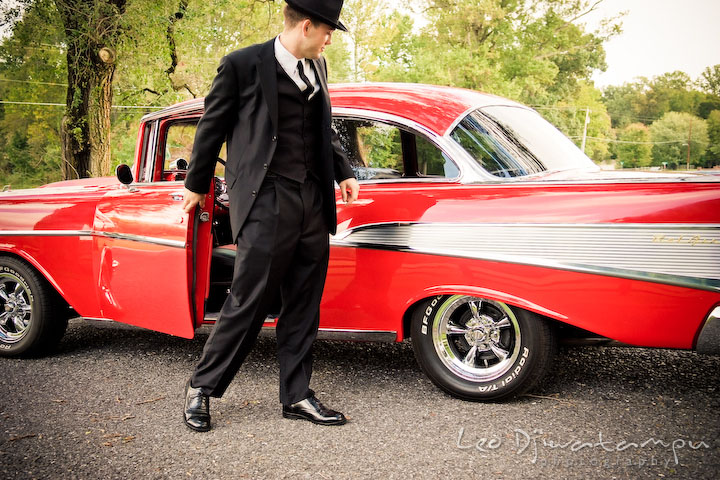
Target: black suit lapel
(268,80)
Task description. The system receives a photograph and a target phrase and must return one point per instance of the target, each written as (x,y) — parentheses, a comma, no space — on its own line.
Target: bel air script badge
(685,239)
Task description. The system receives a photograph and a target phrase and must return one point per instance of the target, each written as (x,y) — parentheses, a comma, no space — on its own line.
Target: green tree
(633,148)
(710,80)
(713,131)
(92,29)
(534,52)
(671,136)
(32,71)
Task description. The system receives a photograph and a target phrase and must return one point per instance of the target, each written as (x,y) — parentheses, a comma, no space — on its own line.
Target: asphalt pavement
(108,405)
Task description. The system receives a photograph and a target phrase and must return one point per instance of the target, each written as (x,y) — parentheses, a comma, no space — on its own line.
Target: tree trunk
(90,26)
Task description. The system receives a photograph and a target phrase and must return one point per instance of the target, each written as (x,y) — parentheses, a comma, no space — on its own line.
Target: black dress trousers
(282,247)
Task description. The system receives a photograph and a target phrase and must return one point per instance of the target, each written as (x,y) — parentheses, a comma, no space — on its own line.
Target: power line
(610,140)
(33,82)
(43,104)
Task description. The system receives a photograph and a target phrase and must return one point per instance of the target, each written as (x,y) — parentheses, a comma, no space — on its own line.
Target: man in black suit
(271,104)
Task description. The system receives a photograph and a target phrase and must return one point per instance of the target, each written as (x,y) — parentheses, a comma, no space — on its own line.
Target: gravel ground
(108,404)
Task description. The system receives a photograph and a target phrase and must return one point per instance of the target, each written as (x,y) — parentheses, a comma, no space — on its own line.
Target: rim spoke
(4,318)
(469,359)
(453,329)
(475,307)
(503,322)
(3,293)
(499,352)
(19,324)
(25,308)
(18,289)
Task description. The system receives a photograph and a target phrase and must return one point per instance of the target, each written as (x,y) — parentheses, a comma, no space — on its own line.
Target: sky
(659,36)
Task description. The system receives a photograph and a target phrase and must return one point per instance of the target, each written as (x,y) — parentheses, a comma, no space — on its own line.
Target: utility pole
(687,165)
(587,121)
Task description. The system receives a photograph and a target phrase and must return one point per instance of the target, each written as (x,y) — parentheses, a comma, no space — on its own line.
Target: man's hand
(190,199)
(349,189)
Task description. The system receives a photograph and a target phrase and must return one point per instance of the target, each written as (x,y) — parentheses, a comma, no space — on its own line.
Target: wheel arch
(476,291)
(44,274)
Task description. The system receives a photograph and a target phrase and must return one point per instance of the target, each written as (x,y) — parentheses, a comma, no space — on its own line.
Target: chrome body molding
(93,233)
(709,339)
(675,254)
(384,336)
(345,335)
(357,335)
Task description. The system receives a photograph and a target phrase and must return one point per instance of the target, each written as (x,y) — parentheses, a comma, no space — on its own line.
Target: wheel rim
(15,308)
(476,338)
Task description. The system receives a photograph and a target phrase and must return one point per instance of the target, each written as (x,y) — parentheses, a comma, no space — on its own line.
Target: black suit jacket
(242,107)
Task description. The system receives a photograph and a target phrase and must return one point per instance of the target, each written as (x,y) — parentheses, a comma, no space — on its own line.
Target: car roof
(434,107)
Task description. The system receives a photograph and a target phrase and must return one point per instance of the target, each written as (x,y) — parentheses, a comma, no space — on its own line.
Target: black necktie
(308,91)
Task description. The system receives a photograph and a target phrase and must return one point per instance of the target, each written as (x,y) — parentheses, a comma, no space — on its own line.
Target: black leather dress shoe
(312,410)
(197,409)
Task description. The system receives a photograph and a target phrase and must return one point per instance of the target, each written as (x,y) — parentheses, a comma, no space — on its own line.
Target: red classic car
(481,232)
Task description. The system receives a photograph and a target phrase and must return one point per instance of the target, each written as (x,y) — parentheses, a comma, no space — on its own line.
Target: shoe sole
(295,416)
(195,429)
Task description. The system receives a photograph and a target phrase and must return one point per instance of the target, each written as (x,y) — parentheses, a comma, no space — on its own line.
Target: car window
(514,141)
(432,162)
(178,150)
(374,149)
(378,150)
(178,145)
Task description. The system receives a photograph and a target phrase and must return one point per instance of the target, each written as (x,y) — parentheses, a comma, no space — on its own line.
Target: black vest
(299,135)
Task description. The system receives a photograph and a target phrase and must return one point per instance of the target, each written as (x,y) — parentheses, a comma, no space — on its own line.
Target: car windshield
(509,141)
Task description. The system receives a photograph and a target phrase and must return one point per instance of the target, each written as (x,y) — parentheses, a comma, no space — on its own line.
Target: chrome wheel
(15,308)
(481,349)
(476,339)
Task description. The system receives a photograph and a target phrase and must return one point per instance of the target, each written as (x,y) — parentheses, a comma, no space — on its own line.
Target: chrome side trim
(46,233)
(92,233)
(357,335)
(345,335)
(682,255)
(142,239)
(708,341)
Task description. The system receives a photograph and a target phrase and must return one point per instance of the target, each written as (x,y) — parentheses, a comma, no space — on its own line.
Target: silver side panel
(680,255)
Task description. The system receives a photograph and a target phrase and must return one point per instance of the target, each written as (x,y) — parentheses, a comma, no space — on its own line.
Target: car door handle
(178,197)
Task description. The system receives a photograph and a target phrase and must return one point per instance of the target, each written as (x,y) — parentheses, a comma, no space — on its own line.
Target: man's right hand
(191,199)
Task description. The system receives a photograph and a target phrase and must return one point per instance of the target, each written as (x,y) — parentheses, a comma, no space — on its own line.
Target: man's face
(315,39)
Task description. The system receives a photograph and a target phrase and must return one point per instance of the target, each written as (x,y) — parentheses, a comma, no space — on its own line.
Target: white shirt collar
(286,59)
(288,62)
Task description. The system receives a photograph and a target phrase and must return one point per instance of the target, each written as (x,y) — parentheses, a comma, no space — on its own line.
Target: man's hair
(294,16)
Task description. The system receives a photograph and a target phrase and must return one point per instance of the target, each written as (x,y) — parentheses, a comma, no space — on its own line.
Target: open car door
(153,260)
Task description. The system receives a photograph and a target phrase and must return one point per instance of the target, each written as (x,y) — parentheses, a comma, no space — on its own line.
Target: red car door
(152,260)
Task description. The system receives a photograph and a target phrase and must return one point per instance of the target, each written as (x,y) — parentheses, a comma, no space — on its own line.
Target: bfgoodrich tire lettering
(27,305)
(481,349)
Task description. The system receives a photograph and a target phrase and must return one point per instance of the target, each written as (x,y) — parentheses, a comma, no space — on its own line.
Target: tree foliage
(710,80)
(680,138)
(713,131)
(634,148)
(164,51)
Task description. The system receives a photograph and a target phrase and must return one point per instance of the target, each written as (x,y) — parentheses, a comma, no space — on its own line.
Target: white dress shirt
(288,62)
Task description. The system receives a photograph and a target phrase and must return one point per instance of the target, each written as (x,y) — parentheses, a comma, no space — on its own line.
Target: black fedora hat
(327,11)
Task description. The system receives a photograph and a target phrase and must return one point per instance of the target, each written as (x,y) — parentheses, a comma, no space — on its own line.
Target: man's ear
(306,26)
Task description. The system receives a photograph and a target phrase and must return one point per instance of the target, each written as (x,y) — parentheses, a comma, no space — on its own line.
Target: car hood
(612,176)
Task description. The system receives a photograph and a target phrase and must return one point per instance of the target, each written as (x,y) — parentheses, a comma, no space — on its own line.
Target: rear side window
(382,151)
